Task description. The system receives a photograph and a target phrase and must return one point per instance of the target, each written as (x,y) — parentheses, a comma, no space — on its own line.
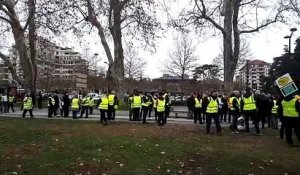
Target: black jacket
(66,101)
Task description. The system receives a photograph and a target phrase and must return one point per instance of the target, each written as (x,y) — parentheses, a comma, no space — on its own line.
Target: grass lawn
(36,146)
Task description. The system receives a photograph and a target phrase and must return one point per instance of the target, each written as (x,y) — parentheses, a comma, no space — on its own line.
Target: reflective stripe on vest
(289,109)
(137,102)
(146,104)
(52,101)
(111,99)
(275,107)
(161,105)
(104,104)
(85,101)
(197,103)
(249,103)
(11,99)
(28,103)
(212,106)
(75,103)
(91,102)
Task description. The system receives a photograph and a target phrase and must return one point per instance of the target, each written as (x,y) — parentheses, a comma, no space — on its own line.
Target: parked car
(96,97)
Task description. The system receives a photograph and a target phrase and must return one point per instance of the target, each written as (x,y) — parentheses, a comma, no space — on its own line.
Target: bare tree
(233,18)
(14,18)
(112,20)
(182,59)
(134,64)
(245,53)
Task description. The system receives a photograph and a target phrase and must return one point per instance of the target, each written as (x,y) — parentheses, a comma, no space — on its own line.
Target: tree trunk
(32,45)
(227,44)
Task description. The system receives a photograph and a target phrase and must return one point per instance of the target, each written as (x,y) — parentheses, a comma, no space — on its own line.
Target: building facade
(57,67)
(253,73)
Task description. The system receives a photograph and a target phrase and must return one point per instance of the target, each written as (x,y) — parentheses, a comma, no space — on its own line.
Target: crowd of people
(238,109)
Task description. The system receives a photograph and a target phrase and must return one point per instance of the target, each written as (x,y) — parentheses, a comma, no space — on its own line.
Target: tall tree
(14,18)
(182,59)
(134,64)
(113,20)
(233,18)
(207,72)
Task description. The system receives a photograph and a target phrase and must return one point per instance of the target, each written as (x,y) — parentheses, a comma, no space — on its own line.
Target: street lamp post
(290,37)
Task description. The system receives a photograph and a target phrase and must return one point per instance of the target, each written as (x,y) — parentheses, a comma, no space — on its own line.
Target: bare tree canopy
(112,20)
(232,18)
(182,59)
(134,64)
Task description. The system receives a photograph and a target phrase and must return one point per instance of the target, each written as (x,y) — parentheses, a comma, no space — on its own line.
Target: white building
(57,67)
(254,72)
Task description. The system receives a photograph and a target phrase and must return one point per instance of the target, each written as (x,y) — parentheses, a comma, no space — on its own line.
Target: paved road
(120,116)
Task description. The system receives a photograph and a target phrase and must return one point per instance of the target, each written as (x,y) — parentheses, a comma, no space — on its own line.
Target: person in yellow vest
(11,101)
(145,106)
(289,109)
(75,104)
(248,108)
(197,109)
(51,103)
(211,104)
(103,107)
(155,106)
(85,106)
(113,103)
(130,101)
(136,105)
(91,104)
(27,105)
(235,111)
(161,106)
(275,113)
(151,104)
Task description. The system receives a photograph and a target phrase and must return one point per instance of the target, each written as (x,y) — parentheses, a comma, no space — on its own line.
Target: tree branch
(267,23)
(11,68)
(204,16)
(5,19)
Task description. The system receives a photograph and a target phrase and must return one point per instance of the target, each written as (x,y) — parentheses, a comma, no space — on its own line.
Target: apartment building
(253,72)
(57,67)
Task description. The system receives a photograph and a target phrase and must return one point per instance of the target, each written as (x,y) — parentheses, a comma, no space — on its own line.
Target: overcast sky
(264,45)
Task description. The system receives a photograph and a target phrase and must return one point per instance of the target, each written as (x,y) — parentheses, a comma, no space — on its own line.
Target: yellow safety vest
(212,106)
(85,101)
(154,103)
(104,104)
(75,104)
(275,107)
(249,103)
(137,102)
(146,104)
(52,101)
(197,103)
(11,99)
(231,103)
(27,103)
(111,99)
(91,102)
(289,109)
(161,105)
